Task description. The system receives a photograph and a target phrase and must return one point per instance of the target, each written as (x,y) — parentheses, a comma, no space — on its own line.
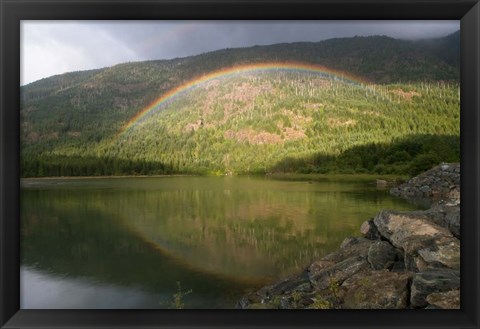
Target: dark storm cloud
(51,47)
(155,40)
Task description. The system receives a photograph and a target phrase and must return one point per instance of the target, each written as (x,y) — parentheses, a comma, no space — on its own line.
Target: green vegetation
(334,288)
(320,304)
(334,128)
(78,165)
(405,121)
(178,297)
(408,156)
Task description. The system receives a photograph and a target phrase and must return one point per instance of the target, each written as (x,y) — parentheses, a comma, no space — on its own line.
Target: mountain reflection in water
(126,242)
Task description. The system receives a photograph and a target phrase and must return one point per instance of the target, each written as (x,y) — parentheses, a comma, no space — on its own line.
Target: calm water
(126,242)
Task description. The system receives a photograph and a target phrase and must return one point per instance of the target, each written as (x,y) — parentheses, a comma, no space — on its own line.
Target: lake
(134,242)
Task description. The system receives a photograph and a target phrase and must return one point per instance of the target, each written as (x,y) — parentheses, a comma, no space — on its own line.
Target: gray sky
(55,47)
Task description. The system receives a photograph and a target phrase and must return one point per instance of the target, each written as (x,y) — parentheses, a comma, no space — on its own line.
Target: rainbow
(269,66)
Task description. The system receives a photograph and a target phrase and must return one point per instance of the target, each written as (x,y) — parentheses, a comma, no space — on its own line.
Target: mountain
(372,91)
(446,49)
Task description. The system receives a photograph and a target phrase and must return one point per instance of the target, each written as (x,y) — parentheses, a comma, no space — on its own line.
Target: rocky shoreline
(404,260)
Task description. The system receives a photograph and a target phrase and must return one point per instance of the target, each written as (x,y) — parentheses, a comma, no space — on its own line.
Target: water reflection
(219,237)
(48,290)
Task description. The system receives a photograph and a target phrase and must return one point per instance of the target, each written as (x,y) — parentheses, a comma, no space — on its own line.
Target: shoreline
(287,176)
(404,260)
(101,177)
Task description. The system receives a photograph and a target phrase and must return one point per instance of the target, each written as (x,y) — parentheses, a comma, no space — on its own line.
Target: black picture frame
(13,11)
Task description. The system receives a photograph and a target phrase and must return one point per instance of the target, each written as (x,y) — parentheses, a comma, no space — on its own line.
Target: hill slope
(255,121)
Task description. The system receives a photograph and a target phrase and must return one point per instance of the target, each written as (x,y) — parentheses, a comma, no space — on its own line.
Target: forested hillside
(385,106)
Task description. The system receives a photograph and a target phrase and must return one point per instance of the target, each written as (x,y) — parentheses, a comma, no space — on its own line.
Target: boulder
(349,242)
(445,300)
(245,302)
(446,215)
(350,247)
(318,266)
(452,220)
(381,255)
(369,230)
(432,281)
(454,195)
(272,294)
(338,273)
(425,189)
(440,182)
(398,266)
(399,227)
(298,283)
(424,243)
(381,183)
(444,252)
(377,290)
(415,263)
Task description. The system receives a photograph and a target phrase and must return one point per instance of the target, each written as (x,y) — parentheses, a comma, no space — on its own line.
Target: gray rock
(352,241)
(243,303)
(431,281)
(381,255)
(436,214)
(284,304)
(339,272)
(303,302)
(453,196)
(301,283)
(420,264)
(434,183)
(369,230)
(444,166)
(425,189)
(348,242)
(402,228)
(246,301)
(377,290)
(452,219)
(398,266)
(445,300)
(444,252)
(446,215)
(318,266)
(350,247)
(381,183)
(424,243)
(410,263)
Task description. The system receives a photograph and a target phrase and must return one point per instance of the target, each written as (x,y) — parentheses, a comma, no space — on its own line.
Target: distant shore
(103,177)
(287,176)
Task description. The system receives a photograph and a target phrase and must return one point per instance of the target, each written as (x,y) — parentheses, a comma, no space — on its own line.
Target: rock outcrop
(441,182)
(403,259)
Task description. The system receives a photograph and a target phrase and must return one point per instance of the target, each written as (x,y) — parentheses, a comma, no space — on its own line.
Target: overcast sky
(55,47)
